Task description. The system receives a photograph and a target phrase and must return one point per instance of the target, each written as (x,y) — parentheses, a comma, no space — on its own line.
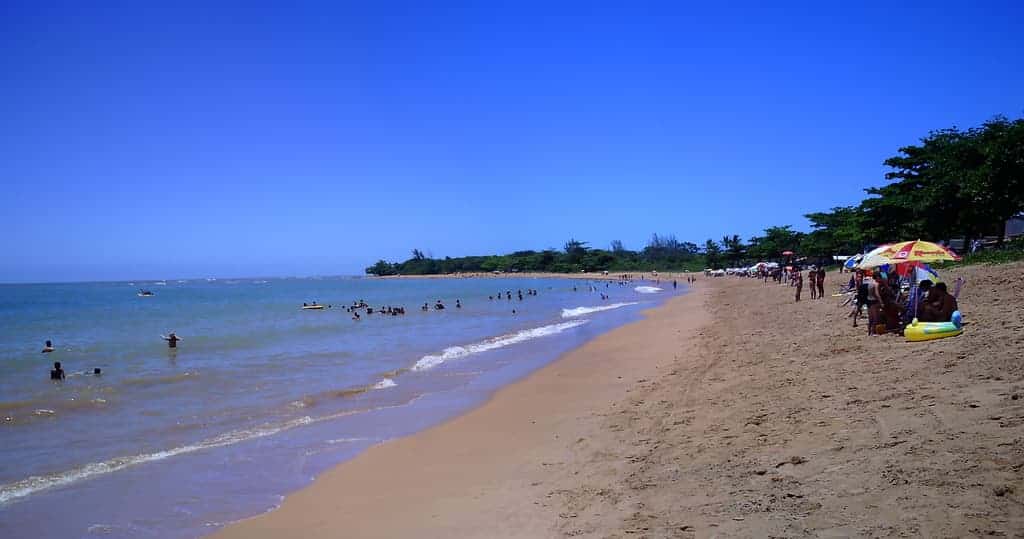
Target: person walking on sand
(821,282)
(874,303)
(172,340)
(812,278)
(860,289)
(798,278)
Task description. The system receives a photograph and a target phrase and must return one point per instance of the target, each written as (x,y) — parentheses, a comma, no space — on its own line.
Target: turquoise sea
(260,395)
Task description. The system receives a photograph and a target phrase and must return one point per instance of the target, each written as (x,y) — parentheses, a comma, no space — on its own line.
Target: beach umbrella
(853,261)
(874,258)
(918,251)
(923,271)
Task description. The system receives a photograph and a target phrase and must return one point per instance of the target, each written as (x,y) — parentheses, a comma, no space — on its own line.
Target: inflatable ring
(927,331)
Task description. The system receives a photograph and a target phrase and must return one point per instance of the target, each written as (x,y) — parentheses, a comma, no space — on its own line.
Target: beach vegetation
(954,183)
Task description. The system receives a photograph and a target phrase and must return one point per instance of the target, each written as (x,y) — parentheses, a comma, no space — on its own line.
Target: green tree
(733,249)
(712,254)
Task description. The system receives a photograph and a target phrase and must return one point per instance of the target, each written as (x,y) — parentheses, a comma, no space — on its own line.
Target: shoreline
(485,479)
(732,411)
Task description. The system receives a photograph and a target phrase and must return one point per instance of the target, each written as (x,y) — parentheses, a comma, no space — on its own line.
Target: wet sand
(728,412)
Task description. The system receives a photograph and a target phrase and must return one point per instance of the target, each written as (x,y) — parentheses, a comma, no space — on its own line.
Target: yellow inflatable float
(927,331)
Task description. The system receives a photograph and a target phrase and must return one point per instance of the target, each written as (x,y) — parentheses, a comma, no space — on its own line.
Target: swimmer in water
(57,373)
(458,304)
(172,340)
(48,347)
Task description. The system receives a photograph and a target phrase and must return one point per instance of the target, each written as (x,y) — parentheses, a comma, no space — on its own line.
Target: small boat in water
(313,307)
(145,294)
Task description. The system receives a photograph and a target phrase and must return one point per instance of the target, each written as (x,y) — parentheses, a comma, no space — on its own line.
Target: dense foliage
(662,252)
(954,184)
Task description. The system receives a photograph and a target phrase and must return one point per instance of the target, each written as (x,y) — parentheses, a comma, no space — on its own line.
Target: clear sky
(179,139)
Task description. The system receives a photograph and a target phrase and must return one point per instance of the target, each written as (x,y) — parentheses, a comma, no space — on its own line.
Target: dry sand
(728,412)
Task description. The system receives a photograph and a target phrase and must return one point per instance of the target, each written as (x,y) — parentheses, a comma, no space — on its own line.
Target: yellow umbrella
(918,251)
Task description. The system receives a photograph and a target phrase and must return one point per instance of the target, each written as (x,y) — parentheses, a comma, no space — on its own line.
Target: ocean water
(259,396)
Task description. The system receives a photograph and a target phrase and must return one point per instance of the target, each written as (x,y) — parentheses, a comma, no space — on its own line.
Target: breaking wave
(580,311)
(458,352)
(384,384)
(648,289)
(31,485)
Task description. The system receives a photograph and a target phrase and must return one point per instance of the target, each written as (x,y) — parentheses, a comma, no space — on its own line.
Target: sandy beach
(728,412)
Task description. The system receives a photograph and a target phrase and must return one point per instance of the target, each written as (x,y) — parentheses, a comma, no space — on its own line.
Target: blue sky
(146,140)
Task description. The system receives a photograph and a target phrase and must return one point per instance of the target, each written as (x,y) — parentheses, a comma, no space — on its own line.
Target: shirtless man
(939,306)
(821,282)
(798,278)
(57,373)
(812,282)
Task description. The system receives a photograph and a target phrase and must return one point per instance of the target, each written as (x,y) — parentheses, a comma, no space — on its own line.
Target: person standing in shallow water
(48,347)
(57,373)
(172,340)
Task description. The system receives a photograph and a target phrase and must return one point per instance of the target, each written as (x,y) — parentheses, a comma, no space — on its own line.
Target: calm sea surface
(259,396)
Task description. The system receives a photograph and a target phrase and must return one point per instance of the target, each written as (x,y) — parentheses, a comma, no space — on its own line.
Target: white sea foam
(26,487)
(384,384)
(648,289)
(457,352)
(580,311)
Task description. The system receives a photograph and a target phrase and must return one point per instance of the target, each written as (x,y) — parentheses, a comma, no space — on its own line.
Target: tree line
(953,184)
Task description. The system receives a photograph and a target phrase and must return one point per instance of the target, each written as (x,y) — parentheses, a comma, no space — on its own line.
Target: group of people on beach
(815,281)
(889,309)
(890,303)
